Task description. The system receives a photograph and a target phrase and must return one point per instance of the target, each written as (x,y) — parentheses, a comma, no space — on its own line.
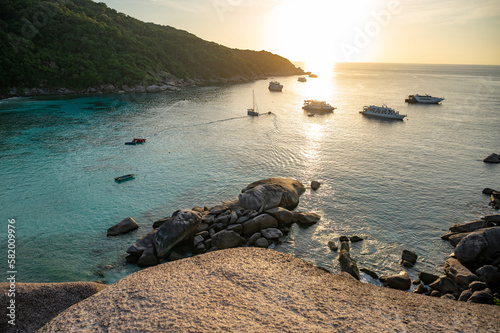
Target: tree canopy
(81,43)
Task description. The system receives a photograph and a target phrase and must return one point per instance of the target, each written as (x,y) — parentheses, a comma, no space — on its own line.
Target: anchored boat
(313,105)
(252,112)
(125,177)
(382,112)
(423,99)
(275,86)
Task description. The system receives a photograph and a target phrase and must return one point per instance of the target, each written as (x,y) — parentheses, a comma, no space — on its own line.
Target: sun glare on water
(312,31)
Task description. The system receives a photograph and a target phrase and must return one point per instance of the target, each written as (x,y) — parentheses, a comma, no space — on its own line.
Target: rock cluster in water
(259,217)
(471,273)
(167,83)
(494,198)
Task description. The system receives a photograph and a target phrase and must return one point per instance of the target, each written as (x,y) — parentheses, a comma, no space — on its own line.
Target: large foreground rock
(184,224)
(260,290)
(37,303)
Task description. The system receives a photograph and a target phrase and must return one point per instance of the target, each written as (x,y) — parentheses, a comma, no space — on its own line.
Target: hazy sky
(394,31)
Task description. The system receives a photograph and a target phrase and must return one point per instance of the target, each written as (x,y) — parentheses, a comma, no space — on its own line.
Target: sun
(312,31)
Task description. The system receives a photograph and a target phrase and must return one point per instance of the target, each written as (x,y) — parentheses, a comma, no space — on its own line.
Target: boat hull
(125,177)
(318,109)
(419,99)
(383,116)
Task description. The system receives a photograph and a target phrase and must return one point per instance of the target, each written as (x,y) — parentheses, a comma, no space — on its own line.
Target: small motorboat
(139,140)
(135,141)
(125,177)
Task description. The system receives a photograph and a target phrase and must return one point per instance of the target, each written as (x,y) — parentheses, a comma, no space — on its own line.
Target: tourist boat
(252,112)
(382,112)
(125,177)
(275,86)
(423,99)
(302,79)
(313,105)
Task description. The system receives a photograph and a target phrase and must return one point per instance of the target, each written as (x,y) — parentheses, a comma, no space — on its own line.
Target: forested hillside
(81,43)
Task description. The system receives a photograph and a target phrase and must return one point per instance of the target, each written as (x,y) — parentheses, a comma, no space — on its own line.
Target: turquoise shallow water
(400,185)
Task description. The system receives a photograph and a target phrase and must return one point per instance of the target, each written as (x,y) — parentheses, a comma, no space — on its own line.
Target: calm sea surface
(398,184)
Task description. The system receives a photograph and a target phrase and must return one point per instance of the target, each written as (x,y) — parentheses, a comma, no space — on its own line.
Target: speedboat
(302,79)
(317,106)
(275,86)
(424,99)
(382,112)
(126,177)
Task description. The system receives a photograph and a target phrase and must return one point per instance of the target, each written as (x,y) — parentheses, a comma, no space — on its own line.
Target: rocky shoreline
(260,217)
(167,83)
(263,214)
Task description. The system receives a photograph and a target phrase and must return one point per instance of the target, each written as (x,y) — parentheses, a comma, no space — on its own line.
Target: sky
(323,32)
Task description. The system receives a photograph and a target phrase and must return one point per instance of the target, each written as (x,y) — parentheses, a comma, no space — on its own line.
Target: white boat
(253,111)
(317,106)
(424,99)
(275,86)
(302,79)
(382,112)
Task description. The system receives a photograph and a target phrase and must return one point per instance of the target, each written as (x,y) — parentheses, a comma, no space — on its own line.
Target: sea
(397,184)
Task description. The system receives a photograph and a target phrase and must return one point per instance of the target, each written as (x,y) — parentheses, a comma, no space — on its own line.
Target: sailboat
(253,111)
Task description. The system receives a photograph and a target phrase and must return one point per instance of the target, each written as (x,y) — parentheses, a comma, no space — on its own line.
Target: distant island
(80,45)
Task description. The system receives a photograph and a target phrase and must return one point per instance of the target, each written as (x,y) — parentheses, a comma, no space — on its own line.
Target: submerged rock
(347,264)
(493,158)
(126,225)
(408,258)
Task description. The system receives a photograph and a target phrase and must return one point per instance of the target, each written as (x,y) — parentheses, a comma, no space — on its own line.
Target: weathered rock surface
(408,258)
(470,247)
(455,270)
(493,158)
(427,278)
(400,281)
(315,185)
(258,223)
(347,264)
(126,225)
(282,215)
(268,291)
(292,190)
(263,196)
(38,303)
(445,285)
(226,239)
(184,224)
(306,218)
